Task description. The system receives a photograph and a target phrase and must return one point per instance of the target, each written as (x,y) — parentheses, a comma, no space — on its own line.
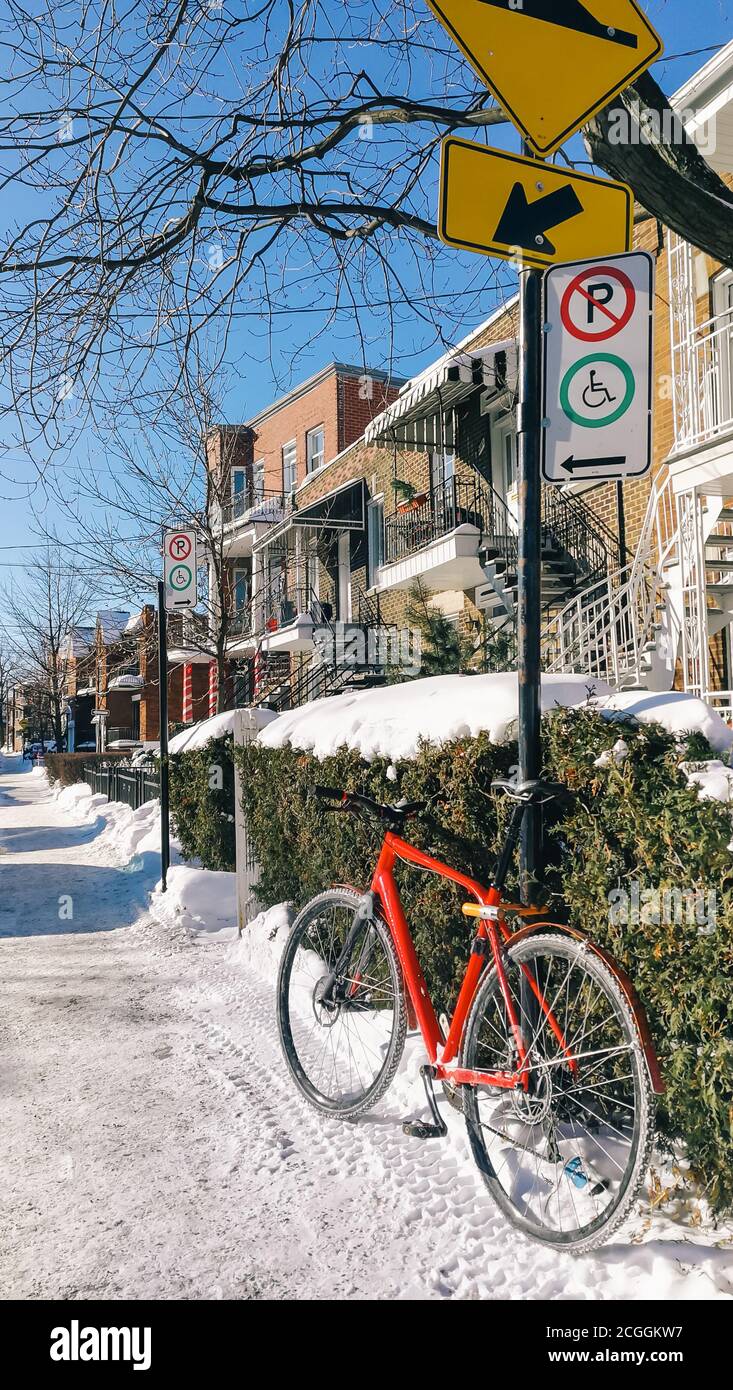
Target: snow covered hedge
(637,842)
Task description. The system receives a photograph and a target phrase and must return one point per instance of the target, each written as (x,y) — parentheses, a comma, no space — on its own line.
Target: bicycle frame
(491,934)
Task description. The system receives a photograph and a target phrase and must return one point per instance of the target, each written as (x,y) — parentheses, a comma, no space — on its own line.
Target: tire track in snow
(455,1241)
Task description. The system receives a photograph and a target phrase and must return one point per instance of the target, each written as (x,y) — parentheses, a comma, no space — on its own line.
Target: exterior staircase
(575,550)
(645,624)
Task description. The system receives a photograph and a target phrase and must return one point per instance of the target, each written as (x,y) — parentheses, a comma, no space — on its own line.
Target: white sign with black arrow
(597,380)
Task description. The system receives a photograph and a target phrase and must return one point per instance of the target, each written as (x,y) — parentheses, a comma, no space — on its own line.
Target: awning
(422,416)
(344,509)
(128,682)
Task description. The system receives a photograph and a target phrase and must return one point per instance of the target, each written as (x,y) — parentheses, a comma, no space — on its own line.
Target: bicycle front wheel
(341,1006)
(564,1157)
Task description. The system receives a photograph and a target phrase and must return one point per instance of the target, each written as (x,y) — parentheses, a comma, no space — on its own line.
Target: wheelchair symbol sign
(181,577)
(597,390)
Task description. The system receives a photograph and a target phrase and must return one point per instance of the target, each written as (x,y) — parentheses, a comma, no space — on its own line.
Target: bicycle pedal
(420,1129)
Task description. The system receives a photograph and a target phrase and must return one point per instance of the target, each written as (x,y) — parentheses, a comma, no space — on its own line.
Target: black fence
(132,785)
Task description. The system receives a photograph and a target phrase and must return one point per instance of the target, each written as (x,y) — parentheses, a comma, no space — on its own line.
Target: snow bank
(714,779)
(677,712)
(390,721)
(201,900)
(262,943)
(199,734)
(127,835)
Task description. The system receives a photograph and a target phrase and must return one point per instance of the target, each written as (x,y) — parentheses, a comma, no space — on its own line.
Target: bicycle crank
(421,1129)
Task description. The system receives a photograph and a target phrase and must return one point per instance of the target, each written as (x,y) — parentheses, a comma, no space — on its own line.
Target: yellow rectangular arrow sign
(551,63)
(522,210)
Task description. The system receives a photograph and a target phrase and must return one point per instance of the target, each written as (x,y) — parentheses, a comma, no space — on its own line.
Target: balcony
(279,617)
(119,737)
(247,514)
(704,383)
(438,535)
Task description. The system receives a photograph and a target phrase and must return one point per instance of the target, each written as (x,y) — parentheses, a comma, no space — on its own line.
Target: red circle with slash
(610,321)
(182,542)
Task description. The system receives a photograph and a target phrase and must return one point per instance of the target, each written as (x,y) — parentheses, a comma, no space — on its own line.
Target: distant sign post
(177,591)
(597,395)
(179,569)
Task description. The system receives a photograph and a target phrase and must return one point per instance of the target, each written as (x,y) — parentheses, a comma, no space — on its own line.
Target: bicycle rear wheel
(341,1006)
(565,1158)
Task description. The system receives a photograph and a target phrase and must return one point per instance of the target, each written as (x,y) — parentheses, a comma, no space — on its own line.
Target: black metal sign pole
(530,562)
(165,832)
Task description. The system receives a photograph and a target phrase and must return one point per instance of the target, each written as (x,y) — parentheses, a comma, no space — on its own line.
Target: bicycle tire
(291,1022)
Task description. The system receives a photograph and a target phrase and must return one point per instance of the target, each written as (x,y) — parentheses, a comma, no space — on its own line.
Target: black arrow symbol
(524,224)
(568,14)
(573,465)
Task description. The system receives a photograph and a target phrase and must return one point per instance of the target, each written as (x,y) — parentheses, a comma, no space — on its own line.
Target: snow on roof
(79,640)
(113,623)
(390,721)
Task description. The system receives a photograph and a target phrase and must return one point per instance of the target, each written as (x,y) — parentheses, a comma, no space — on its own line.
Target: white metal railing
(702,357)
(608,630)
(708,354)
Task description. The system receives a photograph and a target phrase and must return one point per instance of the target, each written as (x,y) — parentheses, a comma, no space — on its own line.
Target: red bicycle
(548,1051)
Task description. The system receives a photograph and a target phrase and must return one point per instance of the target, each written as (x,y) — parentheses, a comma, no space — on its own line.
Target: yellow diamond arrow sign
(551,63)
(514,208)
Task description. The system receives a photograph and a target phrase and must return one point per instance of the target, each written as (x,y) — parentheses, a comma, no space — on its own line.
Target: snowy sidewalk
(154,1147)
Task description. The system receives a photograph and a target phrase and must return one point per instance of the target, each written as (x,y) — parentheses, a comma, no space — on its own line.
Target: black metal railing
(114,734)
(277,604)
(455,502)
(273,505)
(571,526)
(132,785)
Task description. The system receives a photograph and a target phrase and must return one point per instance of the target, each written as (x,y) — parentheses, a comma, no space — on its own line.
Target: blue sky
(264,373)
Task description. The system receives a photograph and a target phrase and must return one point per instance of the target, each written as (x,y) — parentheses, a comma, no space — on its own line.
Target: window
(239,491)
(375,540)
(241,589)
(290,467)
(315,450)
(442,468)
(259,480)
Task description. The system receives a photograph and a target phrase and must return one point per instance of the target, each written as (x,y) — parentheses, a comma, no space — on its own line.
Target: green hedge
(68,768)
(202,803)
(637,822)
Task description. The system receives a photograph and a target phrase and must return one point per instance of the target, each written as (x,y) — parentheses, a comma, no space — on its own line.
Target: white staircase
(633,626)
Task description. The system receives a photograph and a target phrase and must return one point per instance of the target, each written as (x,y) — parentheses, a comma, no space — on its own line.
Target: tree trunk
(670,178)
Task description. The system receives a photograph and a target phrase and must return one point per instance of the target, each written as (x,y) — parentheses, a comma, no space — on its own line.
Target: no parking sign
(179,568)
(597,401)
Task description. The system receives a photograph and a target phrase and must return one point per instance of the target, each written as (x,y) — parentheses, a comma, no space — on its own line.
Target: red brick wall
(341,403)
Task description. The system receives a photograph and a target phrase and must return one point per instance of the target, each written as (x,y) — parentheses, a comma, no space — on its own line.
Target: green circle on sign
(587,421)
(177,581)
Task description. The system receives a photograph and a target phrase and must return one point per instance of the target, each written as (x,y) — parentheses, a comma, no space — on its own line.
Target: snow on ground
(154,1147)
